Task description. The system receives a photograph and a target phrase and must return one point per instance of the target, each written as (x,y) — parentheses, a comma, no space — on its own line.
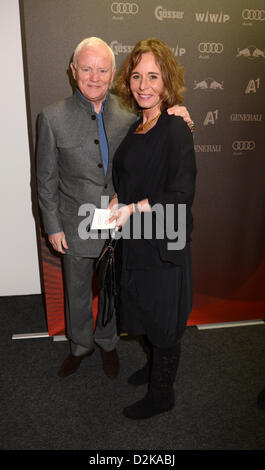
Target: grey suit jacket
(70,172)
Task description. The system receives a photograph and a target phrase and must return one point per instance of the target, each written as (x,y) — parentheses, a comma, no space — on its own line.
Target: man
(77,138)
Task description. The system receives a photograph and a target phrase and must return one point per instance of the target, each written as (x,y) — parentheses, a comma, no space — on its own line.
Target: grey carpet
(220,374)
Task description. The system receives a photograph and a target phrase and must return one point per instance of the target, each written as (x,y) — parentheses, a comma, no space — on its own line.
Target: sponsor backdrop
(221,46)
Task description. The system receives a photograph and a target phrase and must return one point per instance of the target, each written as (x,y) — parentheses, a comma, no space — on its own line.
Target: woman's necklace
(142,126)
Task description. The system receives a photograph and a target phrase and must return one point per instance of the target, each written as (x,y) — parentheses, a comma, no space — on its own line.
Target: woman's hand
(121,215)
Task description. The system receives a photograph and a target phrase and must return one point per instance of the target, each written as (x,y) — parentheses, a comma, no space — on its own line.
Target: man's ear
(73,70)
(113,75)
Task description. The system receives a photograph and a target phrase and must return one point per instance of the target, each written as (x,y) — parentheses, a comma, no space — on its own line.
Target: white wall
(19,268)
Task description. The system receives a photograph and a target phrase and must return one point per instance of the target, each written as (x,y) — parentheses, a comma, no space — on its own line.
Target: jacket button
(105,186)
(96,141)
(93,117)
(100,165)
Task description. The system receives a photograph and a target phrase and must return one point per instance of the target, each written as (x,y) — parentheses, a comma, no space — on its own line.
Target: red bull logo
(251,52)
(208,84)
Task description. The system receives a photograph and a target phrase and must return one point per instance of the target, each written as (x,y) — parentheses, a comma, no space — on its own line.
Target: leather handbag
(106,279)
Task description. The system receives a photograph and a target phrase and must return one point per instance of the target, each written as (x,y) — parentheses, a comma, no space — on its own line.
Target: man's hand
(113,204)
(178,110)
(58,242)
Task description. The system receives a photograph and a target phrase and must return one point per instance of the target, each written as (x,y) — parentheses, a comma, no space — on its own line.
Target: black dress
(155,281)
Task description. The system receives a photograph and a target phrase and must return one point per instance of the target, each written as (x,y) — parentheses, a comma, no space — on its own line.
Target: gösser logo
(251,15)
(124,8)
(211,47)
(119,48)
(243,145)
(162,14)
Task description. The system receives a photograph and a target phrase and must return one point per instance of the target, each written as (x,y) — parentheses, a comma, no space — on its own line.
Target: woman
(154,167)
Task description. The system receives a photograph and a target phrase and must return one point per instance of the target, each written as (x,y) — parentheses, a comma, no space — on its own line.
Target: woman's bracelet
(136,208)
(191,126)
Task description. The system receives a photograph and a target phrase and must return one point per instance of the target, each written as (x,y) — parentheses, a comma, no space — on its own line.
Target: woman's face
(146,83)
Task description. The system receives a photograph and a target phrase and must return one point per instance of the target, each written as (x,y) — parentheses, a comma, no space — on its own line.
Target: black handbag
(106,280)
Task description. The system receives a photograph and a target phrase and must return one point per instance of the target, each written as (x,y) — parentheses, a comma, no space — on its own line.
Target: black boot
(142,376)
(160,396)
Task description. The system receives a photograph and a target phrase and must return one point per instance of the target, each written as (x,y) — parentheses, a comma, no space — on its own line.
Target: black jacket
(159,165)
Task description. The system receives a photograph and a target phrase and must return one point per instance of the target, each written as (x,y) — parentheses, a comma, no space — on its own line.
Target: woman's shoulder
(175,126)
(174,122)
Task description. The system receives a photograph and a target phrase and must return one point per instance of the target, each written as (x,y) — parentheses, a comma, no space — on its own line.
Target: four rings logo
(242,145)
(124,8)
(207,48)
(211,47)
(253,15)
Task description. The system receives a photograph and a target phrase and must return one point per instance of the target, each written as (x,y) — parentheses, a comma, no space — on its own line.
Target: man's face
(93,73)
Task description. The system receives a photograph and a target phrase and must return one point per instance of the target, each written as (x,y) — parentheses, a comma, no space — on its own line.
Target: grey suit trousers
(78,273)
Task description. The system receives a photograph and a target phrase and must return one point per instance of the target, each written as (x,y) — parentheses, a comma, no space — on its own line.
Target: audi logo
(124,8)
(211,47)
(243,145)
(253,15)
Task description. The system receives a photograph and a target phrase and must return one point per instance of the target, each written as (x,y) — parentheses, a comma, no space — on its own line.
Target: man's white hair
(92,42)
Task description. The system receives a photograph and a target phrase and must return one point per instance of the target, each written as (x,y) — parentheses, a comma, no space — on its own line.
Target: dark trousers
(78,274)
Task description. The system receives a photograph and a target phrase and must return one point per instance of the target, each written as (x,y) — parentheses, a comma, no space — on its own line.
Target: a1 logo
(252,86)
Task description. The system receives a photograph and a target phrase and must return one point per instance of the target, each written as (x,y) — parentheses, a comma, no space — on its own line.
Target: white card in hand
(100,218)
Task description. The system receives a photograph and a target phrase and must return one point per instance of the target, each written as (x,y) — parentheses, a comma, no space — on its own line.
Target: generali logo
(246,117)
(208,148)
